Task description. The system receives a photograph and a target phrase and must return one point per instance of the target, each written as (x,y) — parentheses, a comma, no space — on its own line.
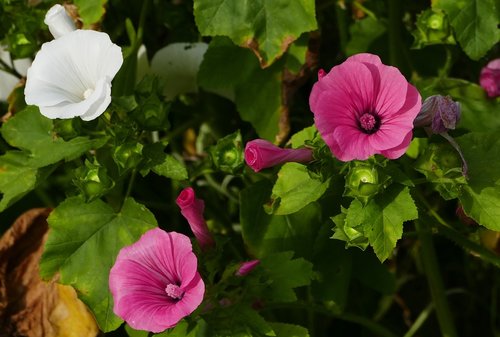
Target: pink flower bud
(247,267)
(441,113)
(192,209)
(260,154)
(490,78)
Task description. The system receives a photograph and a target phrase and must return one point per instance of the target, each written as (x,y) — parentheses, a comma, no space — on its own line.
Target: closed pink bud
(192,209)
(261,154)
(247,267)
(490,78)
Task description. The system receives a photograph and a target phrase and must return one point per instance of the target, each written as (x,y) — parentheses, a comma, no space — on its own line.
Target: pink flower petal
(143,271)
(363,107)
(366,58)
(399,150)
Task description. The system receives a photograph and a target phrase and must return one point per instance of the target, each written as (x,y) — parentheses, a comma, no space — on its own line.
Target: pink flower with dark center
(247,267)
(155,282)
(192,209)
(490,78)
(363,107)
(261,154)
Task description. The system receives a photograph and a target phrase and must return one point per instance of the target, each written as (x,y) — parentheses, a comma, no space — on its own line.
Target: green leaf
(184,329)
(285,274)
(266,27)
(264,233)
(363,33)
(17,177)
(295,189)
(296,55)
(332,267)
(289,330)
(475,23)
(481,197)
(300,138)
(349,226)
(135,333)
(83,243)
(90,11)
(30,131)
(238,321)
(259,100)
(383,218)
(225,65)
(171,168)
(257,93)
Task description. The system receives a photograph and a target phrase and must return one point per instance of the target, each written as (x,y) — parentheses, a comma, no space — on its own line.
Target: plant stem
(342,26)
(452,234)
(377,329)
(431,268)
(422,317)
(130,185)
(8,69)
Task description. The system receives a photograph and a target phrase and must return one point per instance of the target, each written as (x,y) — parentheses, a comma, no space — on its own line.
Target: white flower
(8,81)
(177,65)
(71,76)
(59,21)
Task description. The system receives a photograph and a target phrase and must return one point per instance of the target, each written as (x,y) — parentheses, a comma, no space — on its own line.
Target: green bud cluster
(92,180)
(227,154)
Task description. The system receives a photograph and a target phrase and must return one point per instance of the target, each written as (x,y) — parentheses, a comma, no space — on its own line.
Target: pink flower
(247,267)
(192,209)
(155,282)
(490,78)
(261,154)
(363,107)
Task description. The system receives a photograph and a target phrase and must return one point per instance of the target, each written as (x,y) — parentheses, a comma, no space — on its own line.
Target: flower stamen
(174,291)
(369,123)
(87,93)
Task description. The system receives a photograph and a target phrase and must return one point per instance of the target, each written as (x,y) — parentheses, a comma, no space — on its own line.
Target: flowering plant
(263,168)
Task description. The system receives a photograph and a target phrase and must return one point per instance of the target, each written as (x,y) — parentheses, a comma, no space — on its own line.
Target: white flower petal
(142,64)
(91,107)
(59,22)
(67,69)
(8,81)
(177,65)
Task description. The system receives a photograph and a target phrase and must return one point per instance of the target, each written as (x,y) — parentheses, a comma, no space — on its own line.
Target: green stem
(342,26)
(377,329)
(130,185)
(394,31)
(218,188)
(452,234)
(8,69)
(432,272)
(422,317)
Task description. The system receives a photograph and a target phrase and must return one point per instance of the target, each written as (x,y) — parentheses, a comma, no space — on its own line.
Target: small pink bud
(321,74)
(247,267)
(192,209)
(260,154)
(490,78)
(441,113)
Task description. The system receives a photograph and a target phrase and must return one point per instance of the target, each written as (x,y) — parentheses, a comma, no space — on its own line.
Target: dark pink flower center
(369,123)
(174,291)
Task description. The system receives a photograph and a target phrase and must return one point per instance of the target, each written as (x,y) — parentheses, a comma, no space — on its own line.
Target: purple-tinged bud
(247,267)
(490,78)
(192,209)
(441,113)
(261,154)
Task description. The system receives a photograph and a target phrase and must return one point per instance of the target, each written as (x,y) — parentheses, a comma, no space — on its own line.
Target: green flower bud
(128,155)
(227,154)
(432,27)
(362,181)
(92,180)
(442,166)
